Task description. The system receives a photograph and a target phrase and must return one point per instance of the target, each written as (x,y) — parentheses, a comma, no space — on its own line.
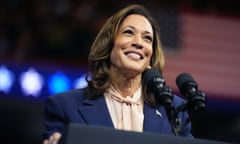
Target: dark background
(59,33)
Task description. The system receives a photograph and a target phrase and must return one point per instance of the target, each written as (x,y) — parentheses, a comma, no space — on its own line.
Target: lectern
(88,134)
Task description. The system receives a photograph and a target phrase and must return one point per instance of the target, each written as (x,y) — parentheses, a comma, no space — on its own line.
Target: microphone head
(149,74)
(189,88)
(155,84)
(152,80)
(183,82)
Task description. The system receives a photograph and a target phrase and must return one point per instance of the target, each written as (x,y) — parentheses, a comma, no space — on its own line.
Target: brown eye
(148,38)
(128,32)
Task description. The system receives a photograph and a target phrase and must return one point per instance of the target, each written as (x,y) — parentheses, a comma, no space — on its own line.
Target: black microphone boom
(189,88)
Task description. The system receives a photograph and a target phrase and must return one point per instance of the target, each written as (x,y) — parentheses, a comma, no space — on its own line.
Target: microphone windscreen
(149,74)
(183,80)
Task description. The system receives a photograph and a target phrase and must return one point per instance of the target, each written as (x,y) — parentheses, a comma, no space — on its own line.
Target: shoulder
(68,96)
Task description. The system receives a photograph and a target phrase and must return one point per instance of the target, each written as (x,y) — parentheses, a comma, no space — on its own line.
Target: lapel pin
(158,113)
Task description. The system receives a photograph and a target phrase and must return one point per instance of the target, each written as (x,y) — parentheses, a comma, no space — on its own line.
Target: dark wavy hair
(99,56)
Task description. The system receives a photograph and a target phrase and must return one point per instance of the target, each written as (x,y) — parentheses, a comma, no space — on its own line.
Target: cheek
(119,45)
(149,51)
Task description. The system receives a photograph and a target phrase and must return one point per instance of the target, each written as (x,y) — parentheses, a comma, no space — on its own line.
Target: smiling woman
(125,47)
(132,48)
(122,26)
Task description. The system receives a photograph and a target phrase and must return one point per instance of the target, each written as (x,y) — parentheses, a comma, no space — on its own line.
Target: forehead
(137,21)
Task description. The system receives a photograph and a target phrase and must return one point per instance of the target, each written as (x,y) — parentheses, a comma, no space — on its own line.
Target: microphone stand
(195,104)
(171,113)
(165,98)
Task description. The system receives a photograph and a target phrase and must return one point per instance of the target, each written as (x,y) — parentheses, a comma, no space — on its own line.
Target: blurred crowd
(65,29)
(48,29)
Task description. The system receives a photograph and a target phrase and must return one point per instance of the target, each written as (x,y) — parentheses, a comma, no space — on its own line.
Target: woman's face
(132,48)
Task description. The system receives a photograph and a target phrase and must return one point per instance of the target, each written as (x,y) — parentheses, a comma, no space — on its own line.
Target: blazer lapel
(95,112)
(155,120)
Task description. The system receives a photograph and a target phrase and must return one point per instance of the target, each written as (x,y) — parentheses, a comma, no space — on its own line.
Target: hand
(53,139)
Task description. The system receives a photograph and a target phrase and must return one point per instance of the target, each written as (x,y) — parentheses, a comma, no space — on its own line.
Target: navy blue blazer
(73,107)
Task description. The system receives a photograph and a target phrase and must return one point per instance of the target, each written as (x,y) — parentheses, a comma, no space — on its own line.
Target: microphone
(189,88)
(156,85)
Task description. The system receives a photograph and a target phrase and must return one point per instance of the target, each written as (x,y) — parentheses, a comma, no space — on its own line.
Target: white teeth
(134,55)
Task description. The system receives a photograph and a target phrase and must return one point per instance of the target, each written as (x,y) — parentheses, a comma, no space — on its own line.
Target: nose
(137,43)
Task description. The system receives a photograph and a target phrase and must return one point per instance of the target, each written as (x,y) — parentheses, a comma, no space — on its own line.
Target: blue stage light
(6,79)
(80,82)
(31,82)
(58,82)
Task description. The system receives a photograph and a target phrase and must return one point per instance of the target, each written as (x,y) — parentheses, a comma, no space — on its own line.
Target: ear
(148,67)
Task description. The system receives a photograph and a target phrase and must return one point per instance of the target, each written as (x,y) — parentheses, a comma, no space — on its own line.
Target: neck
(124,84)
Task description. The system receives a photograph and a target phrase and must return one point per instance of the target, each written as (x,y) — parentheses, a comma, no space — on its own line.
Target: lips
(134,55)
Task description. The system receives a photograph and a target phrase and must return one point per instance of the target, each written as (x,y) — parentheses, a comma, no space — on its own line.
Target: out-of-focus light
(58,82)
(6,79)
(80,82)
(31,82)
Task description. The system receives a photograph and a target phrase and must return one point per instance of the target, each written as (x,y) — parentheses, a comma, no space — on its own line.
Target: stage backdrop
(210,52)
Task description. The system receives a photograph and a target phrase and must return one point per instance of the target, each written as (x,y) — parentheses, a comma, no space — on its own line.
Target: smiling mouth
(134,55)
